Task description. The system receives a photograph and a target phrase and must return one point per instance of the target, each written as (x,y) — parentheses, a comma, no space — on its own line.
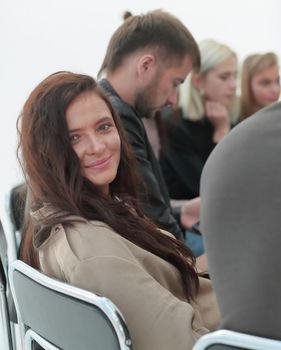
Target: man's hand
(190,212)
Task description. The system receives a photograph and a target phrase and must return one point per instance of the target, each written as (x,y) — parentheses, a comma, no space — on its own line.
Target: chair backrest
(5,326)
(9,229)
(230,340)
(63,315)
(12,204)
(12,207)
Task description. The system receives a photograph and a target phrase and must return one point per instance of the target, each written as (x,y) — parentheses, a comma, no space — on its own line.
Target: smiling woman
(94,138)
(84,225)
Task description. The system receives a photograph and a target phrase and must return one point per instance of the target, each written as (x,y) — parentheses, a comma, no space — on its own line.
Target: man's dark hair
(157,30)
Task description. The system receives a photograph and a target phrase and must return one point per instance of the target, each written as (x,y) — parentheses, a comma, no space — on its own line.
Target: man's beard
(143,104)
(145,99)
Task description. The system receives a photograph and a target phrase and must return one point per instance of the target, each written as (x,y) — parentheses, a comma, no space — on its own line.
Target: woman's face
(265,86)
(219,84)
(94,138)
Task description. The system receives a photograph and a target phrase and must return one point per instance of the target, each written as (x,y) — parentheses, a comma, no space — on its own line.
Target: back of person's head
(213,53)
(157,31)
(253,65)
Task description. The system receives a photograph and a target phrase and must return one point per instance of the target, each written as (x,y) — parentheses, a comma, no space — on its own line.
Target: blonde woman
(208,107)
(260,83)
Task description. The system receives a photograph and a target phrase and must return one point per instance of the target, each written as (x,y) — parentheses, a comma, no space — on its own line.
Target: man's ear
(146,66)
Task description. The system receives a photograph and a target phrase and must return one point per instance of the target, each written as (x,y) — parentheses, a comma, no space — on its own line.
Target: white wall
(39,37)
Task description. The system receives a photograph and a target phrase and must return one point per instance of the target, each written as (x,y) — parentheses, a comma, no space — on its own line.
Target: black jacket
(157,203)
(187,146)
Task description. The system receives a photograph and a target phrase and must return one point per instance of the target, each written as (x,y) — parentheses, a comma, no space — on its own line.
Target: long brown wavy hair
(53,176)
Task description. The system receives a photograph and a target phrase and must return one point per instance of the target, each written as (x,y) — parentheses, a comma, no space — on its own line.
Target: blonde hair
(212,53)
(252,65)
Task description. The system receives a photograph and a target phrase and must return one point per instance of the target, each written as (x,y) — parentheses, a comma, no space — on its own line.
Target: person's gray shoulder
(265,119)
(254,132)
(250,146)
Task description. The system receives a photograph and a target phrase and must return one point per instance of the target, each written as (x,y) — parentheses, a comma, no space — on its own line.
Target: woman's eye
(265,82)
(224,77)
(73,138)
(104,127)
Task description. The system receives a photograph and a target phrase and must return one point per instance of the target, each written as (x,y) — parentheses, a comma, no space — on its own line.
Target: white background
(39,37)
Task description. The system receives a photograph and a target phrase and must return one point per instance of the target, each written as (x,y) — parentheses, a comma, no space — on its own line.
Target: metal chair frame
(108,309)
(235,340)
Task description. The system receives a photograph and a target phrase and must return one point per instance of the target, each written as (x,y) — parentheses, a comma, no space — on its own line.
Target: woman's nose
(95,145)
(233,83)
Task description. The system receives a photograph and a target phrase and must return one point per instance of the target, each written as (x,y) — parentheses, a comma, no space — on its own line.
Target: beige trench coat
(147,289)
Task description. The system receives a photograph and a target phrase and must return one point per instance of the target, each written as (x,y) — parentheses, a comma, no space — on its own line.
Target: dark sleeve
(183,157)
(155,202)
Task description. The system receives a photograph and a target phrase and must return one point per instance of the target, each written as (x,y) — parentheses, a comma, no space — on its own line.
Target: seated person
(86,227)
(260,83)
(207,108)
(140,53)
(240,222)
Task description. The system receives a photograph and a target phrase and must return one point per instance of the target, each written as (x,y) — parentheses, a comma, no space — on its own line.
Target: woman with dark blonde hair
(85,226)
(260,83)
(207,109)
